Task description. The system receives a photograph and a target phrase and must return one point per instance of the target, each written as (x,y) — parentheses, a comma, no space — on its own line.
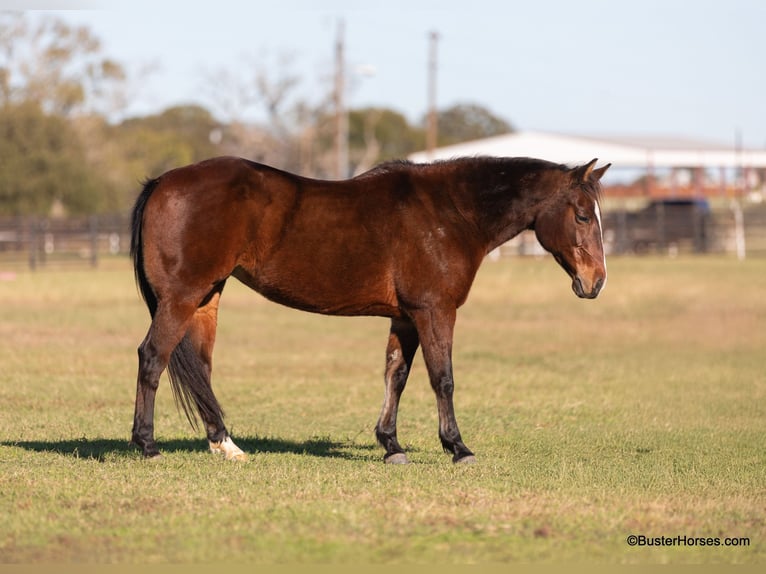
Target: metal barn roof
(621,152)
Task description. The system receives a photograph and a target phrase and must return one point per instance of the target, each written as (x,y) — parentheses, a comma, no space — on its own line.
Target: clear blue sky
(674,67)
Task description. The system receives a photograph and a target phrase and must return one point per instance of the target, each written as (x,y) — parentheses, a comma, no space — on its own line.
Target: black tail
(189,375)
(137,247)
(190,381)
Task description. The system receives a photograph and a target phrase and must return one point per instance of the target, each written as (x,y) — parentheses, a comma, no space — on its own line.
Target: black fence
(686,226)
(40,242)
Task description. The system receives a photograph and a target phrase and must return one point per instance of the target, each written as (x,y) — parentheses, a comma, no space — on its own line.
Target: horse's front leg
(402,344)
(435,329)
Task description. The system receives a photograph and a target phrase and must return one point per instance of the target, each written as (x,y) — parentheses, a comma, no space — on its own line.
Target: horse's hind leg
(168,327)
(201,334)
(402,344)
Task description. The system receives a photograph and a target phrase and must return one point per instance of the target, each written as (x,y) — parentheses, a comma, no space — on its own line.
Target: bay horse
(402,241)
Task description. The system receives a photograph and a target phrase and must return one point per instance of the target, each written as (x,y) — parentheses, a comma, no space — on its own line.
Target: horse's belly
(340,290)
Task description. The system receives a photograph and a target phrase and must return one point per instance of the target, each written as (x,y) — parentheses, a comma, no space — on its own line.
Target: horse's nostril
(599,284)
(577,287)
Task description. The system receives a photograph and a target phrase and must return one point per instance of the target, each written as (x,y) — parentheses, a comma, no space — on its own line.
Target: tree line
(62,152)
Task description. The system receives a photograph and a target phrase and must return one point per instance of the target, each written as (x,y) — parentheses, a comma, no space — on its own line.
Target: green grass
(643,412)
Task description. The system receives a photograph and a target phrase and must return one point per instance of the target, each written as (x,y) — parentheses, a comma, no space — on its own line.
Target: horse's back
(225,179)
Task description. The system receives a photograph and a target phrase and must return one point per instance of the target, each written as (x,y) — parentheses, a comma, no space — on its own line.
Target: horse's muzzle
(583,292)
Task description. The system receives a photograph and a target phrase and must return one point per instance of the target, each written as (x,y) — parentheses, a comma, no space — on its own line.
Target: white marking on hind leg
(227,448)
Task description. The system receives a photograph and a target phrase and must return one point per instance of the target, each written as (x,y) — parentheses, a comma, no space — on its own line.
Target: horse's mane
(494,163)
(591,189)
(478,161)
(392,166)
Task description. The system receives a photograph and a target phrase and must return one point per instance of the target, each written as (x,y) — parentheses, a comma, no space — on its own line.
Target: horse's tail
(137,247)
(189,375)
(190,381)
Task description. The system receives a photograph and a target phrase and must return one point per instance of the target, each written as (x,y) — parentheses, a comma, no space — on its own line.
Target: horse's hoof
(228,449)
(396,458)
(470,459)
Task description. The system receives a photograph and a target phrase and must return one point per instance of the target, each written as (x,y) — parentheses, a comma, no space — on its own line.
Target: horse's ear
(582,173)
(597,174)
(586,172)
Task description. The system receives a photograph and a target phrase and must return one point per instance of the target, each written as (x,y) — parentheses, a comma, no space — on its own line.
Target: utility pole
(432,128)
(341,117)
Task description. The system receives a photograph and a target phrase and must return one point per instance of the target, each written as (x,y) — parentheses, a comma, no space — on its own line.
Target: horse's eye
(580,218)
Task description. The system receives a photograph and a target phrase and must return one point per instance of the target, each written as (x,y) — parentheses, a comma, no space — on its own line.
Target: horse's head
(569,226)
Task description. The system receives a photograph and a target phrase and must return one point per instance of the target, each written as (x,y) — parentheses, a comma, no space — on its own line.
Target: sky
(587,67)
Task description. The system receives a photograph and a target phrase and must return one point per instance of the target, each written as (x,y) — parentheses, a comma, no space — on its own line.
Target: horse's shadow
(103,448)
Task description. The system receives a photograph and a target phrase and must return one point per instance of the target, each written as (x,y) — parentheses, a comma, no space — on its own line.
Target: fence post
(662,235)
(93,225)
(700,219)
(19,224)
(739,228)
(33,244)
(42,235)
(621,233)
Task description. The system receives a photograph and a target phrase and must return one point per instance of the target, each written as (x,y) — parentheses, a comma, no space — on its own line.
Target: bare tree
(290,130)
(371,151)
(58,66)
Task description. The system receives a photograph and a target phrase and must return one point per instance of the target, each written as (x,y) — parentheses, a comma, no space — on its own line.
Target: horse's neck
(506,209)
(508,227)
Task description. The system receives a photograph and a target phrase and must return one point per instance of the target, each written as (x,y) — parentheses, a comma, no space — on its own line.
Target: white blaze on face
(601,234)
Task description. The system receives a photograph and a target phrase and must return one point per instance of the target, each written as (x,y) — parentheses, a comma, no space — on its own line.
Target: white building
(629,156)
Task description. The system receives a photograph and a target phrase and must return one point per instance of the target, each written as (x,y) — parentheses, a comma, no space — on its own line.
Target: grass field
(643,412)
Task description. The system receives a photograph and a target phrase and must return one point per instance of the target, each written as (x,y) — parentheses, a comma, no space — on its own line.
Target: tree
(466,122)
(266,88)
(380,134)
(138,148)
(52,74)
(193,127)
(42,164)
(56,65)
